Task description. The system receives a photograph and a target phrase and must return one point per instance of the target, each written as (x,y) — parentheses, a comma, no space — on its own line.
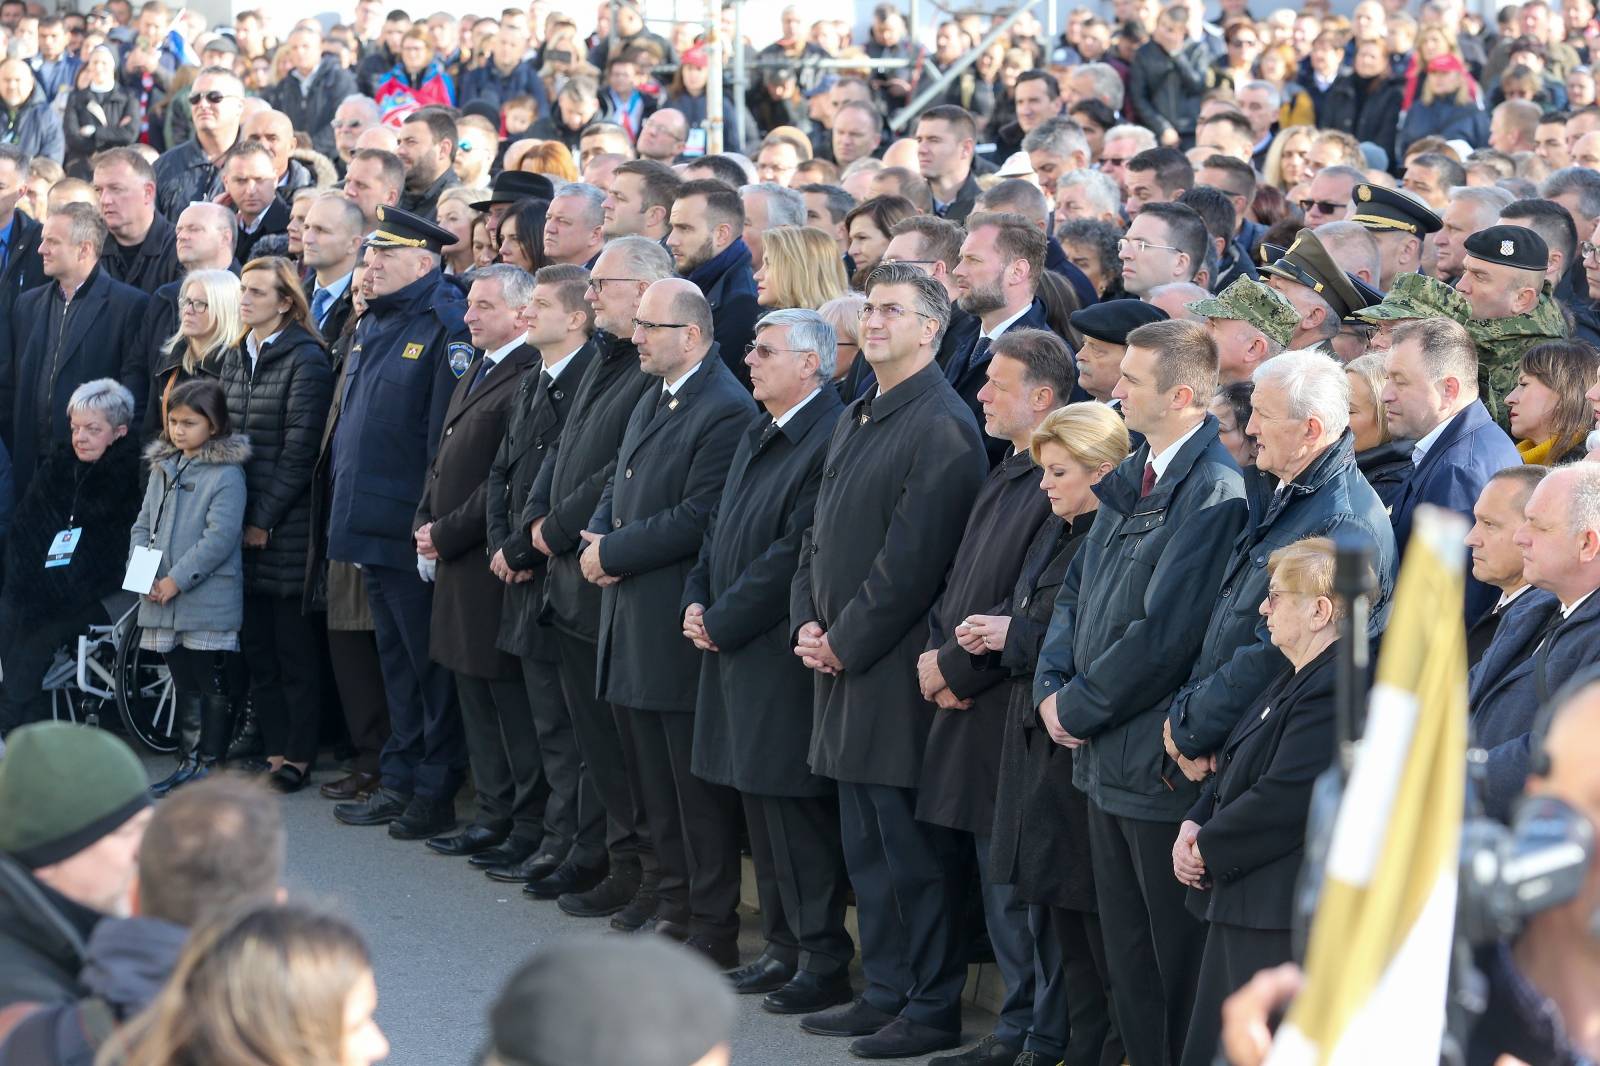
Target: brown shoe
(353,786)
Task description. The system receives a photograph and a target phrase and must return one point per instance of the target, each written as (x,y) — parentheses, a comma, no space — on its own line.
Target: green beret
(63,787)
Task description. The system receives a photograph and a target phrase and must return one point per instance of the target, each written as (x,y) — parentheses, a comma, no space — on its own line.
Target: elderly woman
(52,591)
(1249,825)
(800,267)
(208,325)
(1550,413)
(844,315)
(1041,839)
(1384,461)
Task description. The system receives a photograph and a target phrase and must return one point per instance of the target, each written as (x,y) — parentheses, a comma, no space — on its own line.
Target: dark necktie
(321,300)
(664,399)
(546,382)
(767,434)
(484,366)
(959,365)
(1149,481)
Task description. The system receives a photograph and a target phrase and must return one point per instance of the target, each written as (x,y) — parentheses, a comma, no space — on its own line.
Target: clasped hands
(502,570)
(694,627)
(930,679)
(1193,769)
(589,561)
(811,644)
(1187,864)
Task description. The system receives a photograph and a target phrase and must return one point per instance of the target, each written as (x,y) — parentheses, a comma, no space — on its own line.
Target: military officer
(1324,294)
(410,349)
(1413,296)
(1399,222)
(1251,322)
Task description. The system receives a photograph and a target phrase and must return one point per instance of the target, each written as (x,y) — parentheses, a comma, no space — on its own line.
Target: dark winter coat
(1366,108)
(148,265)
(310,105)
(1443,118)
(753,716)
(273,221)
(488,84)
(282,406)
(901,473)
(34,127)
(729,285)
(652,516)
(111,118)
(1165,89)
(695,109)
(184,174)
(1386,468)
(43,938)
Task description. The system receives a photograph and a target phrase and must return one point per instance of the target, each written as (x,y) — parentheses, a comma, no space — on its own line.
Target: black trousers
(282,653)
(426,754)
(574,820)
(600,733)
(698,858)
(911,881)
(503,749)
(1152,942)
(26,657)
(1079,958)
(800,879)
(1232,956)
(195,673)
(359,677)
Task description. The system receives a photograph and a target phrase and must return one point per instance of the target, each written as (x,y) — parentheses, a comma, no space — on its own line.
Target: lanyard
(172,486)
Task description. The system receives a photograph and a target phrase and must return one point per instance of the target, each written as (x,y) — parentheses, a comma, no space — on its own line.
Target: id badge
(62,545)
(142,566)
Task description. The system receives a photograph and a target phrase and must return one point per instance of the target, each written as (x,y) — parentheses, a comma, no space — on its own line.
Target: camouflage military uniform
(1501,342)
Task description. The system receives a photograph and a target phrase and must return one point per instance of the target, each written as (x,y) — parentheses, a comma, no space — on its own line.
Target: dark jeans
(282,651)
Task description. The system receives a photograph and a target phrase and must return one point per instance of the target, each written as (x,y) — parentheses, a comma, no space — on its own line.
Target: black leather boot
(188,711)
(216,726)
(244,748)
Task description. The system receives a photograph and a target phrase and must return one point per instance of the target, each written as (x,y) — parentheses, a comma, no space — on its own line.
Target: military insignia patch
(460,354)
(412,351)
(1364,192)
(1507,248)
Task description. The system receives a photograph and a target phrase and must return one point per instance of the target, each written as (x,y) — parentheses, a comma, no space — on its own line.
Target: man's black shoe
(470,841)
(904,1039)
(608,897)
(990,1051)
(640,909)
(379,808)
(514,851)
(424,818)
(567,879)
(723,953)
(766,974)
(808,993)
(660,926)
(860,1018)
(535,867)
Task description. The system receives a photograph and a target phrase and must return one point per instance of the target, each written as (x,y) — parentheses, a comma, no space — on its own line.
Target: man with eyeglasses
(356,115)
(203,240)
(189,171)
(1165,243)
(315,85)
(559,507)
(1328,199)
(706,242)
(869,573)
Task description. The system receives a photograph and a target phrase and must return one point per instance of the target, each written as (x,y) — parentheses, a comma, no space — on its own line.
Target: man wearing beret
(410,350)
(1503,281)
(1398,221)
(74,802)
(1105,328)
(1323,294)
(1413,296)
(1250,322)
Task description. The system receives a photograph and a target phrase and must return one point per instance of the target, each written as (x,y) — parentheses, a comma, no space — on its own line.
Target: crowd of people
(933,494)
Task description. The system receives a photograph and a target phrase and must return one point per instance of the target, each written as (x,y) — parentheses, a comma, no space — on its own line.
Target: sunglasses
(1327,207)
(213,98)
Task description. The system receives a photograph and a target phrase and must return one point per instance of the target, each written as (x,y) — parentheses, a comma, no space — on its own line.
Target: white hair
(1101,187)
(808,332)
(1314,385)
(1142,137)
(1274,94)
(1108,87)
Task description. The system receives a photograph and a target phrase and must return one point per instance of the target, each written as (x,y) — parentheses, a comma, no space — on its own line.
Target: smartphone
(558,56)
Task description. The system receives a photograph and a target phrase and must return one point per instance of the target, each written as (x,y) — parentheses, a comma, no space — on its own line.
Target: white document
(142,567)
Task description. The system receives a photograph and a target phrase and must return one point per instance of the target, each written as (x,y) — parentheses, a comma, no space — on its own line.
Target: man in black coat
(1496,559)
(559,324)
(559,507)
(21,268)
(902,470)
(250,177)
(313,89)
(140,247)
(1029,373)
(188,172)
(330,244)
(753,714)
(707,220)
(81,326)
(1127,628)
(642,542)
(427,147)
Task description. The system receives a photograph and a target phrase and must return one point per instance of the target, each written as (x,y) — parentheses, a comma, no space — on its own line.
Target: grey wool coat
(193,514)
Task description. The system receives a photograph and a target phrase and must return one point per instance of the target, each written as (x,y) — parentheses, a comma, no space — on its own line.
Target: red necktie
(1149,479)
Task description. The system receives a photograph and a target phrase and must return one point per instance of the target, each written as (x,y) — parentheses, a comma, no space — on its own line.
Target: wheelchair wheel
(145,697)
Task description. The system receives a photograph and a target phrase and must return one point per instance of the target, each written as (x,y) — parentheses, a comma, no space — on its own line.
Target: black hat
(402,229)
(1308,263)
(483,109)
(1512,246)
(1391,210)
(1112,320)
(1370,296)
(513,185)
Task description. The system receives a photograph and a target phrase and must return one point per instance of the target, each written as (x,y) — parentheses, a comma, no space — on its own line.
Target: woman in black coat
(208,325)
(1365,102)
(279,384)
(98,116)
(1040,841)
(1384,461)
(92,486)
(1241,848)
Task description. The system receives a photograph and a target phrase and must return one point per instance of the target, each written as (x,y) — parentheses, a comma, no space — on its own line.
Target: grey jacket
(194,514)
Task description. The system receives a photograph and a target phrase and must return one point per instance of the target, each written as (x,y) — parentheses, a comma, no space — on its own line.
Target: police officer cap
(1370,297)
(402,229)
(1307,262)
(1512,246)
(1384,210)
(1111,321)
(513,185)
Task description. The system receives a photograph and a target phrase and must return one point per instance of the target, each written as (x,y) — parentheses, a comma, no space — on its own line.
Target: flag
(1378,961)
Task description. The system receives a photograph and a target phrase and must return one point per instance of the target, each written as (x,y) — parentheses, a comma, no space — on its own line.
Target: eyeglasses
(1244,42)
(1274,595)
(1112,161)
(913,262)
(767,351)
(1327,207)
(353,124)
(214,98)
(890,312)
(1141,246)
(640,323)
(599,284)
(199,306)
(1588,250)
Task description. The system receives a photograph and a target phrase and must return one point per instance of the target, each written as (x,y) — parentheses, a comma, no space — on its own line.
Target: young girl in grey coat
(193,514)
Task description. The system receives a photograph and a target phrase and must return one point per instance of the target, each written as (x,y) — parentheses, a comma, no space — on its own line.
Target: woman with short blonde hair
(800,268)
(1383,460)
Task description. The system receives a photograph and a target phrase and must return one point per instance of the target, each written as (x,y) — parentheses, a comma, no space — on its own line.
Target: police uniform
(410,349)
(1392,212)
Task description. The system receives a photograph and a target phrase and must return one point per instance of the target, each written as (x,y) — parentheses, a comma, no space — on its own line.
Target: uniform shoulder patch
(460,353)
(413,350)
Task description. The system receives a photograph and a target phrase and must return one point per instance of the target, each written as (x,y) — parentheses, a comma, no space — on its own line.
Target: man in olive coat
(644,539)
(753,716)
(903,468)
(502,746)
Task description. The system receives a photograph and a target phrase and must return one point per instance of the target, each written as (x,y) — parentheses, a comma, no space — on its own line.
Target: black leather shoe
(535,867)
(766,974)
(990,1051)
(288,779)
(514,852)
(424,818)
(660,926)
(379,808)
(904,1039)
(568,879)
(723,953)
(470,841)
(640,909)
(352,786)
(808,993)
(860,1018)
(607,897)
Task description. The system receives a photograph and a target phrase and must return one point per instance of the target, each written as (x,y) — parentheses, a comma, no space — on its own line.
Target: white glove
(427,568)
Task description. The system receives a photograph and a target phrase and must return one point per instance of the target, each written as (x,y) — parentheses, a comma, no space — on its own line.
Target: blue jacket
(1238,660)
(486,83)
(1451,475)
(1444,118)
(1513,680)
(34,127)
(729,284)
(409,351)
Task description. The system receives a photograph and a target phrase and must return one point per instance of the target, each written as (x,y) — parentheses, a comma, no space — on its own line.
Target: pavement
(444,938)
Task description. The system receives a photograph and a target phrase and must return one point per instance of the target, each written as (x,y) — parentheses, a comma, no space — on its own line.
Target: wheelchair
(107,667)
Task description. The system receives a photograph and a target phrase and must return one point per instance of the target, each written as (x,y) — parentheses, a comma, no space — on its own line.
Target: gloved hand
(427,568)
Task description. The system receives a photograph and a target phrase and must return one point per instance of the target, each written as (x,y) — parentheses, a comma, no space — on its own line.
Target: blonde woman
(457,216)
(208,324)
(277,985)
(1288,161)
(1383,460)
(800,268)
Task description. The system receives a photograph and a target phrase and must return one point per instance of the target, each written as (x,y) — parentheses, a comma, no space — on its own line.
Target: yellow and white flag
(1378,961)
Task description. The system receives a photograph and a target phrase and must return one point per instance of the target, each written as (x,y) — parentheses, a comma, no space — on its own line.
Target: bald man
(274,130)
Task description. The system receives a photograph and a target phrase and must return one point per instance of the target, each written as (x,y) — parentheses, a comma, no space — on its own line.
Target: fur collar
(231,450)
